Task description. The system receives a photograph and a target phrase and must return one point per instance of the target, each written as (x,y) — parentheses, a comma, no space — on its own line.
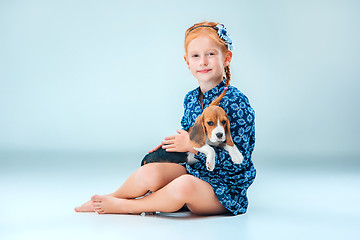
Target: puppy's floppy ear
(197,134)
(229,140)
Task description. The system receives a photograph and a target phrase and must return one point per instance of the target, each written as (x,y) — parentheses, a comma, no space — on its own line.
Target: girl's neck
(206,86)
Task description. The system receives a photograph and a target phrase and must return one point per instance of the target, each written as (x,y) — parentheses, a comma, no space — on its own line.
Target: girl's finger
(170,137)
(168,146)
(167,142)
(171,150)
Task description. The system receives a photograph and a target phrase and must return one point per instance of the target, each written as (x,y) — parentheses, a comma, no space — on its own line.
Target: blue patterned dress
(230,181)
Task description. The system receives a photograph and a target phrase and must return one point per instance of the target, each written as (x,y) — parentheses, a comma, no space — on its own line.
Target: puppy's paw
(237,157)
(235,154)
(210,156)
(210,163)
(210,166)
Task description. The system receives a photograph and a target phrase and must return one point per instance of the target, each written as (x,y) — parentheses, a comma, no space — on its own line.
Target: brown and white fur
(212,128)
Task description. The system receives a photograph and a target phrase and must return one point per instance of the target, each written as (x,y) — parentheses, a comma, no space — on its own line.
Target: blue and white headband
(221,31)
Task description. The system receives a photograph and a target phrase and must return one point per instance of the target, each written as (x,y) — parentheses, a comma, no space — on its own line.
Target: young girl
(173,186)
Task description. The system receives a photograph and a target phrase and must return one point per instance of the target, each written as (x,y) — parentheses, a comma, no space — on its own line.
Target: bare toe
(86,207)
(107,204)
(96,198)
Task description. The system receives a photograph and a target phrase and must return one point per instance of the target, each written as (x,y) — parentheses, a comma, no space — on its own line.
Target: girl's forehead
(202,43)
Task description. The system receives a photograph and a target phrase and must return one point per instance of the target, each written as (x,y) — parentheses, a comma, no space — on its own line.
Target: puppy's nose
(219,135)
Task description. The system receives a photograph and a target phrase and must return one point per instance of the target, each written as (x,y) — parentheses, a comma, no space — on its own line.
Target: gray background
(110,75)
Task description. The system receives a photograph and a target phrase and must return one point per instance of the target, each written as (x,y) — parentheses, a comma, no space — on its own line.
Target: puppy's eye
(210,123)
(223,122)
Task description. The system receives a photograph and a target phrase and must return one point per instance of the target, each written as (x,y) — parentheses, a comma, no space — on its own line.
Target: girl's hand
(178,143)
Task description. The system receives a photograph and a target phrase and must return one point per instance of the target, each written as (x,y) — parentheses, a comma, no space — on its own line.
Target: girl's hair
(208,29)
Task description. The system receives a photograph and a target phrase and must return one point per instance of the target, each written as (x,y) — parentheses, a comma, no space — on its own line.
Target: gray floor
(290,199)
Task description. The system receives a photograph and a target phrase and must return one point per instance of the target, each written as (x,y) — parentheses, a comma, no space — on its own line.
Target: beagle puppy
(212,128)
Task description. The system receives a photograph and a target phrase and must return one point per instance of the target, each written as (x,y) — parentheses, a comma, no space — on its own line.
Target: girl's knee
(184,187)
(150,176)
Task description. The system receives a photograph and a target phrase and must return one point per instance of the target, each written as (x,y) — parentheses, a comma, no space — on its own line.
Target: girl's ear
(228,58)
(187,61)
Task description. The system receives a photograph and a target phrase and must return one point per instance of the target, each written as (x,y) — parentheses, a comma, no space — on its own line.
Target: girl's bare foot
(86,207)
(108,204)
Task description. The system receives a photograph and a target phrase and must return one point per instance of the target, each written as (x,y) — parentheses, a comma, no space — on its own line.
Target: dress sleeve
(242,127)
(185,119)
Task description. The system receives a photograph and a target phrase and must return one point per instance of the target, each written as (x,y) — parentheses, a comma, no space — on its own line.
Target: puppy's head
(216,122)
(212,124)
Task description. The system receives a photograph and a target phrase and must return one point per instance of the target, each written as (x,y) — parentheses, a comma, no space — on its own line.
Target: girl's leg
(197,194)
(149,177)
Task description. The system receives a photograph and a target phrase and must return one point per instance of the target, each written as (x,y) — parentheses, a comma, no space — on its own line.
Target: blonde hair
(207,29)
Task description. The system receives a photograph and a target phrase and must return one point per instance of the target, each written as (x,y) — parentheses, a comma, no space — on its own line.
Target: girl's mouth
(204,71)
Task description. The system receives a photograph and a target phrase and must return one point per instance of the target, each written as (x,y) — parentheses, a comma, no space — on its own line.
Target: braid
(228,77)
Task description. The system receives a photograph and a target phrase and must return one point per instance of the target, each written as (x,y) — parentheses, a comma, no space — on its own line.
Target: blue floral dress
(230,181)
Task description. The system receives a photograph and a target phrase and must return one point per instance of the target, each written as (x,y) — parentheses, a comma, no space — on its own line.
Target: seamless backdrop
(110,75)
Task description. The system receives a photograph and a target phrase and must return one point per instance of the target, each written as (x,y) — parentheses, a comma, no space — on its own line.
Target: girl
(223,190)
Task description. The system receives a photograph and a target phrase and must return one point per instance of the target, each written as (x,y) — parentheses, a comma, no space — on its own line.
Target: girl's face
(206,61)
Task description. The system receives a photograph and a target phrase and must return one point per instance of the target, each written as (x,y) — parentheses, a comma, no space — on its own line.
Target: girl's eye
(195,55)
(210,123)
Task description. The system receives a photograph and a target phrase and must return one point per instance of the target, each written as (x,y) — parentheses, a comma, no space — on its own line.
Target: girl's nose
(204,61)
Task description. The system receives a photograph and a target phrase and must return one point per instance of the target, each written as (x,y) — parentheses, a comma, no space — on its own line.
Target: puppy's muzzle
(219,135)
